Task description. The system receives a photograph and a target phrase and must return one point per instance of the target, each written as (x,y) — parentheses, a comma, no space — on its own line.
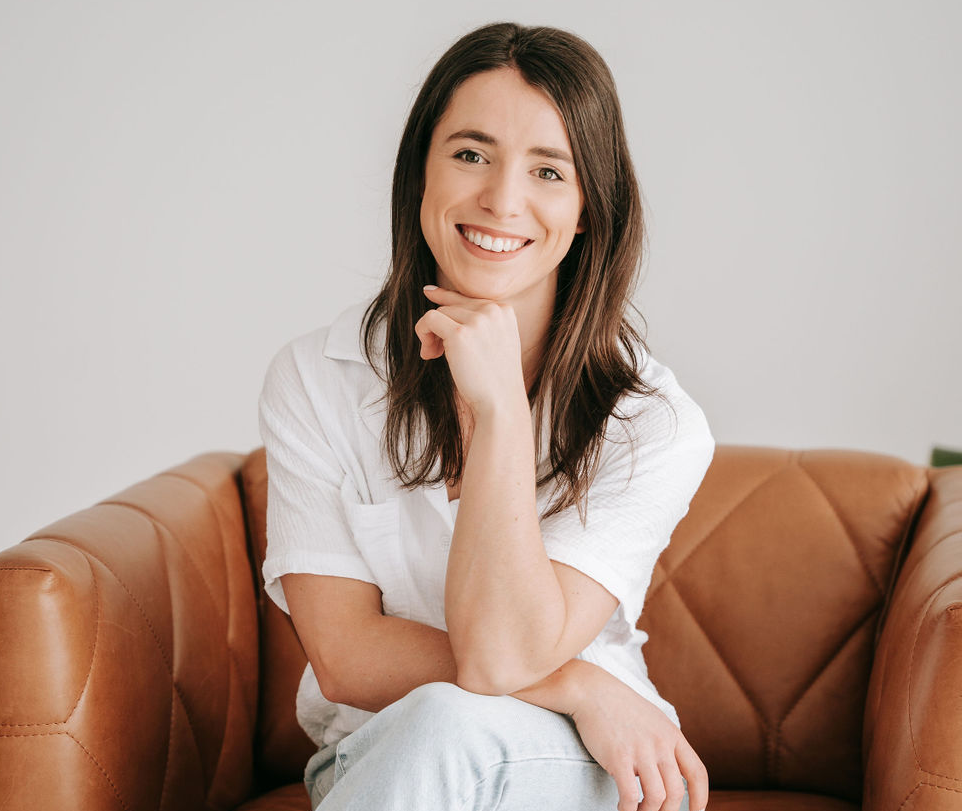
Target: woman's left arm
(513,615)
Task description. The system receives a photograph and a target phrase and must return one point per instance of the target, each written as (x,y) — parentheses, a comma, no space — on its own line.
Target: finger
(463,315)
(441,295)
(652,786)
(432,328)
(627,785)
(695,773)
(674,785)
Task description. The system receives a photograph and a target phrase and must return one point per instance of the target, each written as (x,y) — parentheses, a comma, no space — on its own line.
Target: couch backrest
(762,615)
(128,672)
(763,611)
(281,748)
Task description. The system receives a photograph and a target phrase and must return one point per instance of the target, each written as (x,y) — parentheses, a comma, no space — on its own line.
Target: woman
(470,481)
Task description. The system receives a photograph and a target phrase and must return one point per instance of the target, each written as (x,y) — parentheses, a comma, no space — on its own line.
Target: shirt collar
(344,339)
(345,342)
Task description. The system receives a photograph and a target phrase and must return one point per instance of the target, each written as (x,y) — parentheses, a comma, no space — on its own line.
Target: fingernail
(430,287)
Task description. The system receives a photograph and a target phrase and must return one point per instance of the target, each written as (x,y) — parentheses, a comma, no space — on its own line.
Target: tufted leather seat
(806,622)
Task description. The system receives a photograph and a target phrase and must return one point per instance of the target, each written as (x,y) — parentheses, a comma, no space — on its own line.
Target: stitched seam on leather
(211,502)
(946,537)
(248,702)
(170,743)
(143,614)
(915,645)
(93,647)
(929,785)
(102,771)
(848,535)
(208,779)
(943,788)
(920,498)
(232,664)
(32,734)
(217,514)
(153,519)
(835,654)
(909,796)
(24,569)
(780,743)
(758,713)
(710,532)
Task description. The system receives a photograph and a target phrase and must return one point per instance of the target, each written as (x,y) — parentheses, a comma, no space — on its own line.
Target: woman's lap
(441,747)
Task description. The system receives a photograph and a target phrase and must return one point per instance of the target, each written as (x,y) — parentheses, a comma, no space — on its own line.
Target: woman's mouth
(493,244)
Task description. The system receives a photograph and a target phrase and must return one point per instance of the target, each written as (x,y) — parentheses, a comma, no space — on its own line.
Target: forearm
(503,603)
(391,656)
(383,660)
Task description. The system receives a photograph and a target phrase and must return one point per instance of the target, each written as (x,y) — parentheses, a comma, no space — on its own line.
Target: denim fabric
(441,748)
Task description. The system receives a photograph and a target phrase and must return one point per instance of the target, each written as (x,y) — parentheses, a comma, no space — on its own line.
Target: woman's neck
(534,309)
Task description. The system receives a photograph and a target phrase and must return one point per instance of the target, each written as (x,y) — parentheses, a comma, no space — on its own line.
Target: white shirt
(335,508)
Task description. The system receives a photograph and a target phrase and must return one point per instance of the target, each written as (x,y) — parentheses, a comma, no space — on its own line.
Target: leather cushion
(762,612)
(281,747)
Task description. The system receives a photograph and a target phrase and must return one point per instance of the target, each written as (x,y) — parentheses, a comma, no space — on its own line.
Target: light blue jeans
(441,748)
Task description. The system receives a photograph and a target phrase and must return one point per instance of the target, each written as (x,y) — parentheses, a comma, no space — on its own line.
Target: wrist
(575,691)
(505,407)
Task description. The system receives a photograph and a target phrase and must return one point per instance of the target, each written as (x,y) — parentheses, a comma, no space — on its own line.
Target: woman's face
(501,200)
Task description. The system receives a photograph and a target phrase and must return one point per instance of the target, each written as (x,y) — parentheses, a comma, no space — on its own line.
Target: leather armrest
(913,717)
(128,677)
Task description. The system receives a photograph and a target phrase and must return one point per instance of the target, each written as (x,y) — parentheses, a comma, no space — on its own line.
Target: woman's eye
(469,156)
(545,173)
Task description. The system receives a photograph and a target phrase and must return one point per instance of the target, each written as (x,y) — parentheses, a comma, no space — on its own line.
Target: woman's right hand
(630,736)
(480,341)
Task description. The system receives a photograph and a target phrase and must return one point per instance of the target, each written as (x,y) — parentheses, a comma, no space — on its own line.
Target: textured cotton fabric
(334,507)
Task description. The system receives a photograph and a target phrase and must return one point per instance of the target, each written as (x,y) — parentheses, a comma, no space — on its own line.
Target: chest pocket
(377,533)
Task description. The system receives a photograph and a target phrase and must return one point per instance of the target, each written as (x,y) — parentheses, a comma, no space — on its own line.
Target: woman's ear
(582,225)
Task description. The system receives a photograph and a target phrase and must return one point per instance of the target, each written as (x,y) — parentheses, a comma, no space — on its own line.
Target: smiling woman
(496,182)
(471,478)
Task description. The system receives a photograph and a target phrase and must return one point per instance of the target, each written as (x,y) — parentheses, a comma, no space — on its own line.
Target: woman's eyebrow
(483,138)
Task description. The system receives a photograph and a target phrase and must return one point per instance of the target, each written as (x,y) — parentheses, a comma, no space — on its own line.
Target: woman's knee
(439,716)
(444,706)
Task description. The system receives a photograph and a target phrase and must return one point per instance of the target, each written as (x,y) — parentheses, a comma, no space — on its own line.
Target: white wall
(185,186)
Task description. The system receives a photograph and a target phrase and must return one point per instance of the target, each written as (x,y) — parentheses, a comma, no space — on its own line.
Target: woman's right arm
(360,656)
(368,660)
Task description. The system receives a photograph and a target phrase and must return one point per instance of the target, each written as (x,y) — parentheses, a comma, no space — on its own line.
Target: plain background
(186,186)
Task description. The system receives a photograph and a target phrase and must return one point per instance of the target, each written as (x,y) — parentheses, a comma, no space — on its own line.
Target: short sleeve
(650,468)
(307,488)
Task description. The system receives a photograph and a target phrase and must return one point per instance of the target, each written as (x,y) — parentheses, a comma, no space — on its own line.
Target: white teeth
(489,243)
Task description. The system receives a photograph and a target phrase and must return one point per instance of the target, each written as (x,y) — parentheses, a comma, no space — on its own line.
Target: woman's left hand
(631,738)
(480,340)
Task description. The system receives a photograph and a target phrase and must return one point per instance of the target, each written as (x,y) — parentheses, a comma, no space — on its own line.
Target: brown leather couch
(806,622)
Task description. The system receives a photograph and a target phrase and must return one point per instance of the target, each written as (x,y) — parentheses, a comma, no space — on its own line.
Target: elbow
(333,688)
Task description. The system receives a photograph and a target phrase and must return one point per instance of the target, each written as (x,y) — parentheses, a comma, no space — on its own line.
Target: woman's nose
(503,194)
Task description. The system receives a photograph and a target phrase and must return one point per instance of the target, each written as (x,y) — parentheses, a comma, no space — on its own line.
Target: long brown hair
(593,354)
